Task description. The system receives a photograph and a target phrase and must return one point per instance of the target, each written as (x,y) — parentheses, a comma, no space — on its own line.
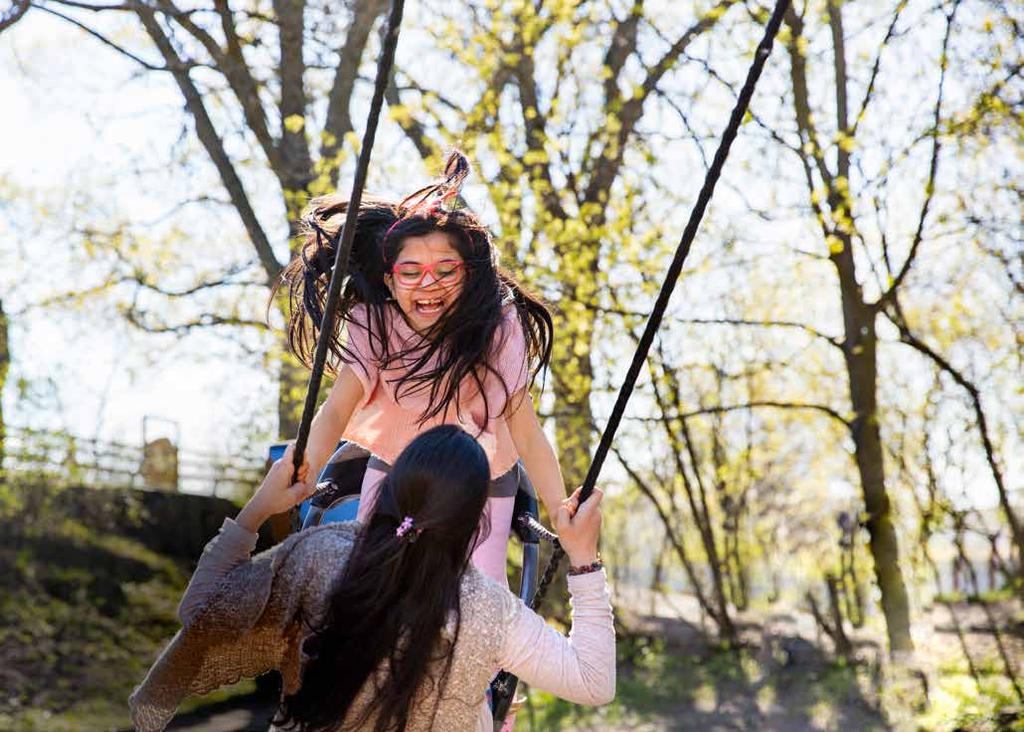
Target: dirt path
(785,679)
(249,713)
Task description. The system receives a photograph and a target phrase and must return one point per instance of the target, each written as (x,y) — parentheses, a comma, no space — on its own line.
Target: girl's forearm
(542,466)
(252,516)
(331,420)
(536,453)
(324,434)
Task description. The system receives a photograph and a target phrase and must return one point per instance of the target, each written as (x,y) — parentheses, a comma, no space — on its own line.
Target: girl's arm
(242,615)
(580,668)
(237,539)
(331,419)
(536,452)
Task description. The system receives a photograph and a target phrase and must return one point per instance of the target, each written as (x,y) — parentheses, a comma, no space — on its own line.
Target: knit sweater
(242,616)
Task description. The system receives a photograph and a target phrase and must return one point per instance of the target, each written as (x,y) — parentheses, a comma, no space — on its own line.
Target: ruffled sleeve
(252,623)
(508,359)
(361,358)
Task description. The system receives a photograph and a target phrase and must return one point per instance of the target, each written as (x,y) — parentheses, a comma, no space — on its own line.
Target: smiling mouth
(432,306)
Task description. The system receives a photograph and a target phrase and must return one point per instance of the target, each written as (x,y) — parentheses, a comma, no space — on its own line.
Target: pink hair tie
(426,207)
(405,527)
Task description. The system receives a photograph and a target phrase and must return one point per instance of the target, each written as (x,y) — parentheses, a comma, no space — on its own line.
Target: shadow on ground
(674,677)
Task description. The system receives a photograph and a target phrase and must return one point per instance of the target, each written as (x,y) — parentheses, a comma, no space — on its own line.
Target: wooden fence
(30,455)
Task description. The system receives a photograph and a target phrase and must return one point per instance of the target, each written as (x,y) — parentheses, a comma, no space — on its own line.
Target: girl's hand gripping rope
(579,527)
(276,493)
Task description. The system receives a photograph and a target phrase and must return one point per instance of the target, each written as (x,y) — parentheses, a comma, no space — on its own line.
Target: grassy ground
(781,679)
(83,613)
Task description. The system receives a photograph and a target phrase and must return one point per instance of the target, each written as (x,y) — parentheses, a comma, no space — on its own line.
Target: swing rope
(344,247)
(764,49)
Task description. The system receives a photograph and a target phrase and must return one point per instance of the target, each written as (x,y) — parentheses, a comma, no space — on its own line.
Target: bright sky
(66,123)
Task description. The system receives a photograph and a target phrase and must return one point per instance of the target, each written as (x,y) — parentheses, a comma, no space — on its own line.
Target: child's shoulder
(363,315)
(368,324)
(359,315)
(509,354)
(510,329)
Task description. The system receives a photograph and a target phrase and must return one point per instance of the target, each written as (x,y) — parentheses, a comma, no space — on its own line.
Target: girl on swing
(384,625)
(437,334)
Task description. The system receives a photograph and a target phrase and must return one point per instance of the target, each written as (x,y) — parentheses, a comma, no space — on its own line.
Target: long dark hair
(462,340)
(396,593)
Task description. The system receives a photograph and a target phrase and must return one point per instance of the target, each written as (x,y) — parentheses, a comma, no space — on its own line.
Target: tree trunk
(657,577)
(858,319)
(862,369)
(293,380)
(843,646)
(292,376)
(5,362)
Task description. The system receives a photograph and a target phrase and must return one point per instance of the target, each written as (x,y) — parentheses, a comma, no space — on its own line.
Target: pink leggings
(489,555)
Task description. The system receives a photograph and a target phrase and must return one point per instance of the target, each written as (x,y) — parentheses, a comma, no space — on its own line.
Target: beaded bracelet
(596,566)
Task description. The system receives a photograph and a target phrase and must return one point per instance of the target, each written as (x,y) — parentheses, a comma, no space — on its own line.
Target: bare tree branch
(832,340)
(143,281)
(933,165)
(412,128)
(754,404)
(667,523)
(810,145)
(102,39)
(206,320)
(534,122)
(895,316)
(232,65)
(214,146)
(870,90)
(297,163)
(339,122)
(605,166)
(125,7)
(14,13)
(810,330)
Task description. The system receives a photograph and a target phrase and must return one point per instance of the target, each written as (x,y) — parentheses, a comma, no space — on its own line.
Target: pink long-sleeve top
(384,423)
(239,616)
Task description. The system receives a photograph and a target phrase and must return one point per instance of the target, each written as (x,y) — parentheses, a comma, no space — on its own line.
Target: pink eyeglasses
(411,274)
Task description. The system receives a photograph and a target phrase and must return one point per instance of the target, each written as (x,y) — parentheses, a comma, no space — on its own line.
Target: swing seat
(337,487)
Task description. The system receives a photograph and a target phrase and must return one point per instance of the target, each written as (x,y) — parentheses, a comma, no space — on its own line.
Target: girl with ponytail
(431,330)
(383,625)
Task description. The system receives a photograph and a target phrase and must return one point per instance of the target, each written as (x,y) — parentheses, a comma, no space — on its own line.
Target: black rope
(344,248)
(764,49)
